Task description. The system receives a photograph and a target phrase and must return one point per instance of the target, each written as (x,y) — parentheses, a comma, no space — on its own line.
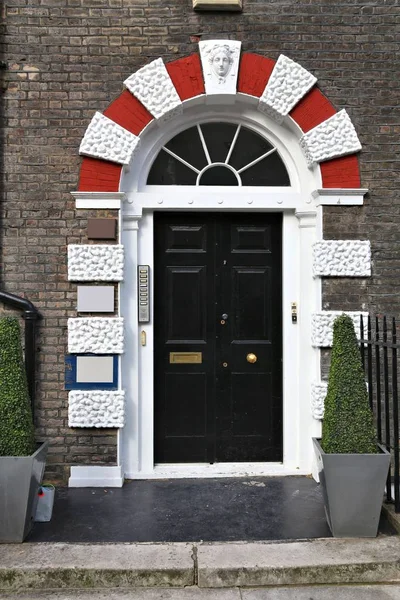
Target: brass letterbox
(185,357)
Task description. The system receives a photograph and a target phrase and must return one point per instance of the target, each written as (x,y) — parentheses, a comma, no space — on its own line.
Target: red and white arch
(282,89)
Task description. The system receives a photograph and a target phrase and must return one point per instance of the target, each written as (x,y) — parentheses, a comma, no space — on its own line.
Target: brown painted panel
(102,229)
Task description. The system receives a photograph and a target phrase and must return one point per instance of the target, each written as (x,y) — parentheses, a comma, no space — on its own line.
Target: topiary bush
(348,426)
(16,423)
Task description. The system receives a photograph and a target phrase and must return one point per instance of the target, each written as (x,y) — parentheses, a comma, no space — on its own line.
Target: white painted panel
(95,298)
(94,369)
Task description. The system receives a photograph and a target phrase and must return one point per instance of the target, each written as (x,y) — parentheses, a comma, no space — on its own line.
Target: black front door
(218,337)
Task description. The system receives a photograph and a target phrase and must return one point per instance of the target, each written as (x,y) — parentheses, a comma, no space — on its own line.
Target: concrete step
(323,561)
(47,566)
(353,592)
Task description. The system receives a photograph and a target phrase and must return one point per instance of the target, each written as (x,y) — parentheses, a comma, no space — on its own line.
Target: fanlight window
(218,154)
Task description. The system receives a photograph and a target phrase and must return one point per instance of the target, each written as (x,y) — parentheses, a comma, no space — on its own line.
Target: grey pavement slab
(376,592)
(370,592)
(44,566)
(295,563)
(190,593)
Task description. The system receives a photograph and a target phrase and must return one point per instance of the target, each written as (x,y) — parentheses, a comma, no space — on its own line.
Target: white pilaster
(309,360)
(128,438)
(146,353)
(291,341)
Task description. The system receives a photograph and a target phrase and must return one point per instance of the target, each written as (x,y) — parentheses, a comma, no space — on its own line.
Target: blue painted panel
(70,375)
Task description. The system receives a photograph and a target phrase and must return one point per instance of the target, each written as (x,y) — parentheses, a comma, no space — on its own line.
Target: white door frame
(302,226)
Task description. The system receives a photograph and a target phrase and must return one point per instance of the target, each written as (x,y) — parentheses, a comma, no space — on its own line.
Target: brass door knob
(251,358)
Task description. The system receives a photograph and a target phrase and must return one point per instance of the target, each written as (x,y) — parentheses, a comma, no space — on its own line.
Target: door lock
(225,364)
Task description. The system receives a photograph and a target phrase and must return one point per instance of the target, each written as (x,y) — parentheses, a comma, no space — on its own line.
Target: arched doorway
(243,417)
(246,149)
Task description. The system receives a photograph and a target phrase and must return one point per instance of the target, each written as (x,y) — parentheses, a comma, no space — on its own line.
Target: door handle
(251,358)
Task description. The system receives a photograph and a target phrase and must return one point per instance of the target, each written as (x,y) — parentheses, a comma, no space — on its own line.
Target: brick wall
(67,58)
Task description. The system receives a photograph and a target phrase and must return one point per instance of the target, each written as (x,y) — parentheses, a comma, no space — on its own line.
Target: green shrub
(16,424)
(348,425)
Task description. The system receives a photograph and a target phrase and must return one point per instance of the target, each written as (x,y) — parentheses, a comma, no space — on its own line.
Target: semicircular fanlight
(218,154)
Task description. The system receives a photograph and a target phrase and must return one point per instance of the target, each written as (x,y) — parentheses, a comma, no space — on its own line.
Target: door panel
(186,290)
(250,239)
(244,422)
(190,408)
(218,292)
(251,307)
(185,238)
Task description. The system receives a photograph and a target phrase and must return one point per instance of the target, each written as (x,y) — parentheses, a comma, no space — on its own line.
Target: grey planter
(20,478)
(352,487)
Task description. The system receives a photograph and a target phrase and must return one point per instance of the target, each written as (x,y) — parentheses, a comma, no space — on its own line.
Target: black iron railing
(379,353)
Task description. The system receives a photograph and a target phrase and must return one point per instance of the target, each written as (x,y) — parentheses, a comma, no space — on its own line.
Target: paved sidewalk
(376,592)
(205,565)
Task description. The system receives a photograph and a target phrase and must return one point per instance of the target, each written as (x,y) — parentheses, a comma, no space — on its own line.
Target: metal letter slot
(185,357)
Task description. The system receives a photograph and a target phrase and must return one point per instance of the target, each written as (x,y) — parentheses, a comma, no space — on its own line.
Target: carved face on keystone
(220,61)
